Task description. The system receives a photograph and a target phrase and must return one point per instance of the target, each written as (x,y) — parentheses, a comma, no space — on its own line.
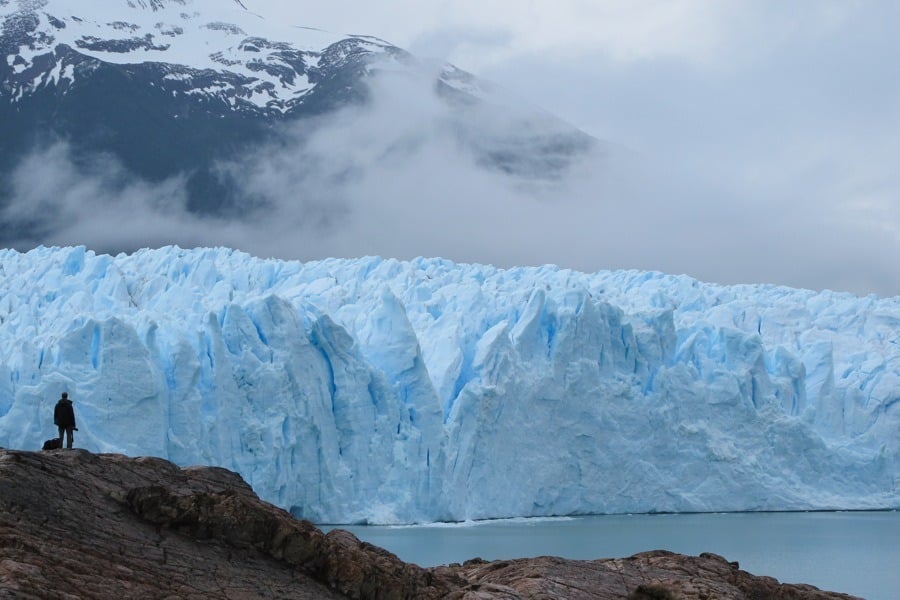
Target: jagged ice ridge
(382,391)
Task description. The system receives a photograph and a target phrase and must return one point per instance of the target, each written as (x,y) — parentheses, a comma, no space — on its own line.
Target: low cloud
(406,176)
(409,174)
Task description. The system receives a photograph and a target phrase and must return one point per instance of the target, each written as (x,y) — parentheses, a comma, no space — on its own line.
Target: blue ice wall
(375,390)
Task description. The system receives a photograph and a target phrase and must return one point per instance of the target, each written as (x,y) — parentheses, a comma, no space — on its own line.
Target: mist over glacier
(384,391)
(406,174)
(207,123)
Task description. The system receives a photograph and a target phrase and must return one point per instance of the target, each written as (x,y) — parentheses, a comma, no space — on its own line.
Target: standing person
(64,418)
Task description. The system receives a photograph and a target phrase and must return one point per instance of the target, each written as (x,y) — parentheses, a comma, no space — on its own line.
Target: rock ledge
(80,525)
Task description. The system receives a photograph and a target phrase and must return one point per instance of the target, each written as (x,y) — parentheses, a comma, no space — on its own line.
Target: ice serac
(374,390)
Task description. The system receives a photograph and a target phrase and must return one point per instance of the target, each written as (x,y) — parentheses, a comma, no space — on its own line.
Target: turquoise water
(852,552)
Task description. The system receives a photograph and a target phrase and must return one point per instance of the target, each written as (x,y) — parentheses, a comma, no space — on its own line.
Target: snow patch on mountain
(272,61)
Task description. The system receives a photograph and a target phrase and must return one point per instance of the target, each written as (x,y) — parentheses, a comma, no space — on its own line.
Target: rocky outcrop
(79,525)
(656,575)
(75,524)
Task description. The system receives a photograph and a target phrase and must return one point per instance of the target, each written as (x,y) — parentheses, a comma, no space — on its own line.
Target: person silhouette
(64,418)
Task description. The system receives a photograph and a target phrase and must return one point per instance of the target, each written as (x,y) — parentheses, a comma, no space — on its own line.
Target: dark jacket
(63,415)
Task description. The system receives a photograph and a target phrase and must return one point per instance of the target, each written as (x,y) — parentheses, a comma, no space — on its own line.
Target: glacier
(376,390)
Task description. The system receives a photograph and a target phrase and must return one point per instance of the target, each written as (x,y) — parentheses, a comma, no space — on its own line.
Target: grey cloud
(402,177)
(715,180)
(441,44)
(778,167)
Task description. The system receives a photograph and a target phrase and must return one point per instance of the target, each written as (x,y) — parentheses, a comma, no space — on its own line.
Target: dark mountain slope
(173,89)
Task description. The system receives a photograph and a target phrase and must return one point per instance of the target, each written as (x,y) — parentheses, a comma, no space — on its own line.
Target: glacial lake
(852,552)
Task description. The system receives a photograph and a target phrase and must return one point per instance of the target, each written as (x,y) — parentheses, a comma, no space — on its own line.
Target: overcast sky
(776,125)
(743,142)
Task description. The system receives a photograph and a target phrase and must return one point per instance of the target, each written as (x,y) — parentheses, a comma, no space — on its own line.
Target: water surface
(851,552)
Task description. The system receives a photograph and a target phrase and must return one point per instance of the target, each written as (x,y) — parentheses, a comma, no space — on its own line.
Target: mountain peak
(261,64)
(169,87)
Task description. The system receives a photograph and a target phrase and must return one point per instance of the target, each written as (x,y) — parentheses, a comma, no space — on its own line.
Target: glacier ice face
(382,391)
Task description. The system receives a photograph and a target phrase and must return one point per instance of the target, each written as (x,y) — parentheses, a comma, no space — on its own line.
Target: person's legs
(69,436)
(62,430)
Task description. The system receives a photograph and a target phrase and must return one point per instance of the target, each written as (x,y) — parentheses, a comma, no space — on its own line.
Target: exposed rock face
(656,575)
(78,525)
(74,524)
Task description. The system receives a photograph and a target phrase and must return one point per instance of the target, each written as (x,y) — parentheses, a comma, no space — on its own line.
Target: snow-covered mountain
(213,49)
(172,87)
(385,391)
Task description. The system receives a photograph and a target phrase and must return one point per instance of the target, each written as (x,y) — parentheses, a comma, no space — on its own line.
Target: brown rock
(656,575)
(78,525)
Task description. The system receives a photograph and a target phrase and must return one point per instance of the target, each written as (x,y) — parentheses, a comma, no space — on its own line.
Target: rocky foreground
(80,525)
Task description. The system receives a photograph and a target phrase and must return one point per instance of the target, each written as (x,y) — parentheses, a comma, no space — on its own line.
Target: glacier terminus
(382,391)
